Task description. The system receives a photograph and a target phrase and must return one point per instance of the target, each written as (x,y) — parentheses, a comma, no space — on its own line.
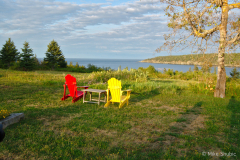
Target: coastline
(183,63)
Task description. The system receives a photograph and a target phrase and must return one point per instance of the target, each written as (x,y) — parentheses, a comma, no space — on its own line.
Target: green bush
(233,87)
(15,66)
(104,76)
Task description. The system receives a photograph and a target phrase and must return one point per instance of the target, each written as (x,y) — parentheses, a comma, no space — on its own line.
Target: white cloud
(97,29)
(115,51)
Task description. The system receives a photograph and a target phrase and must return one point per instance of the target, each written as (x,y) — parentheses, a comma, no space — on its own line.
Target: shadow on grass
(168,144)
(233,134)
(164,81)
(180,140)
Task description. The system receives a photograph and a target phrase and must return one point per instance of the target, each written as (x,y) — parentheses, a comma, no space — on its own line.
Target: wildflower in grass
(4,113)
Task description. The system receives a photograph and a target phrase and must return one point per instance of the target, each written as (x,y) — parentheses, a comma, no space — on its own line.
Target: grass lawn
(164,120)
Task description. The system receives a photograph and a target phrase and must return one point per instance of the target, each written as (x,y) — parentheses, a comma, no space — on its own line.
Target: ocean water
(133,63)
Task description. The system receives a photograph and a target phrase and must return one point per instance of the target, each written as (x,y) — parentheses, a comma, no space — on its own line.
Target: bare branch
(237,37)
(236,5)
(186,37)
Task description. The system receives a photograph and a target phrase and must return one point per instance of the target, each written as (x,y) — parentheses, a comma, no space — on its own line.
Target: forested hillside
(198,59)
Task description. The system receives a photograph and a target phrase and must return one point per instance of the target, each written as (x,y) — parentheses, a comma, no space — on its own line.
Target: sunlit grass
(165,119)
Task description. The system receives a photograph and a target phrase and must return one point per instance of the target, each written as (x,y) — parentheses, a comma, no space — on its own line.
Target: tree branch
(234,39)
(236,5)
(196,33)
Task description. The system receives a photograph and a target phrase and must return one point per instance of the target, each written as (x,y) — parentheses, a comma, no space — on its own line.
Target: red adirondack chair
(72,87)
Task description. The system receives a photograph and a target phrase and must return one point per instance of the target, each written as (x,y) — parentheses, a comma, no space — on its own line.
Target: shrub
(132,75)
(232,87)
(170,72)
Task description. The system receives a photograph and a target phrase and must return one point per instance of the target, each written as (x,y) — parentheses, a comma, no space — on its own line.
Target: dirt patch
(4,87)
(196,123)
(169,108)
(5,155)
(105,133)
(52,125)
(32,105)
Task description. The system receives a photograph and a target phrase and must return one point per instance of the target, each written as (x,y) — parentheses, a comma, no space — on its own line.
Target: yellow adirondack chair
(114,86)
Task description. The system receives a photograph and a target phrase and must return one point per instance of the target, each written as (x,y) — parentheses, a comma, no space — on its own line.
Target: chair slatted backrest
(115,88)
(71,83)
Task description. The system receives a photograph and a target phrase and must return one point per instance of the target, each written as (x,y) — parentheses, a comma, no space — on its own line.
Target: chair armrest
(127,90)
(85,87)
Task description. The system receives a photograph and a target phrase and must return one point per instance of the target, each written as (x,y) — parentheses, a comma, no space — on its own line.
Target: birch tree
(203,25)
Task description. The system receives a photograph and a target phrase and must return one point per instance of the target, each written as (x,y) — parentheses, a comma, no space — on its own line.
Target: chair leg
(107,104)
(65,97)
(122,103)
(64,93)
(76,99)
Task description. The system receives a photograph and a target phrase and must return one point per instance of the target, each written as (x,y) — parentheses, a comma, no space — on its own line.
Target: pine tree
(8,54)
(234,73)
(27,62)
(54,57)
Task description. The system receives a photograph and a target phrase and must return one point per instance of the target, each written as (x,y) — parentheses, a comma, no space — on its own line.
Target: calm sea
(133,63)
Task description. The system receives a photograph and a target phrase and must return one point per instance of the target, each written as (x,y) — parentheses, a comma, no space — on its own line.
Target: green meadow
(169,116)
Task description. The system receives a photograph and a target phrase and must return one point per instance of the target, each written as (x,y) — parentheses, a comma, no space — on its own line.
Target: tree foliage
(54,56)
(205,25)
(27,61)
(197,23)
(8,54)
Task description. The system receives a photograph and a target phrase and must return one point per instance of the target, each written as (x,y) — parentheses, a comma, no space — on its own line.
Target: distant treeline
(232,59)
(11,58)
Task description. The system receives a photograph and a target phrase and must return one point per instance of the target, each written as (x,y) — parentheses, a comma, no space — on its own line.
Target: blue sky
(114,29)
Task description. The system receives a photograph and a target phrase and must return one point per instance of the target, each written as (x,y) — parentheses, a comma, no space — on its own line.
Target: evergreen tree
(8,54)
(54,57)
(27,62)
(234,73)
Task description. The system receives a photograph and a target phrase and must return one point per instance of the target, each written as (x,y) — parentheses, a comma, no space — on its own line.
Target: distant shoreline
(183,63)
